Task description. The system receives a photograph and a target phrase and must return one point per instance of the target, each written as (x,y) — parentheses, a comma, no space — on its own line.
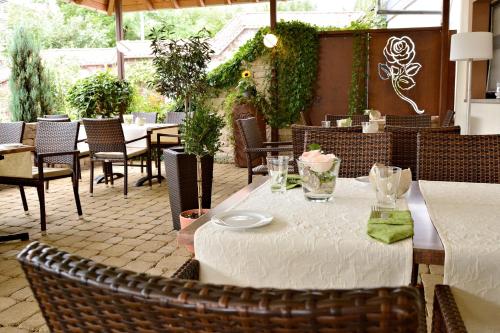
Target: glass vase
(319,179)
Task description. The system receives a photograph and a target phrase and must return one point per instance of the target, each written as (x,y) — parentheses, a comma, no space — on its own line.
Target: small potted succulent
(201,135)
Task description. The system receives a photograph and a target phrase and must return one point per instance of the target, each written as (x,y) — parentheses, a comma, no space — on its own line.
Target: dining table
(427,247)
(131,132)
(15,161)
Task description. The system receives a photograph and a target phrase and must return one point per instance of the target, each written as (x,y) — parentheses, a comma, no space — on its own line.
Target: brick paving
(134,233)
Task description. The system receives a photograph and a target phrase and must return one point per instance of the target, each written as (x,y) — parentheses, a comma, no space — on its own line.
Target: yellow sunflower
(246,74)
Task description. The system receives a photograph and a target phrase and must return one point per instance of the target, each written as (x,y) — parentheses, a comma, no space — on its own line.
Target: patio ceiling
(140,5)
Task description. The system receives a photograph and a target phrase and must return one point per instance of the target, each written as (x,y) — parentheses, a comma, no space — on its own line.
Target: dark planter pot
(180,169)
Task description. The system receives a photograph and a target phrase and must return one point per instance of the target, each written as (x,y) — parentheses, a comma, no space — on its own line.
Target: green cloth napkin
(391,227)
(293,181)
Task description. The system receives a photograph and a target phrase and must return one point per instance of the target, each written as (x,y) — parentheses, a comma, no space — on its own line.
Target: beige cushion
(131,152)
(165,139)
(52,172)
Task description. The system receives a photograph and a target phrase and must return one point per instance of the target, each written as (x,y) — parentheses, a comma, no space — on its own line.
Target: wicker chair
(459,158)
(357,151)
(357,119)
(54,144)
(404,144)
(449,119)
(176,117)
(446,317)
(107,144)
(149,117)
(408,121)
(79,295)
(11,132)
(256,148)
(299,132)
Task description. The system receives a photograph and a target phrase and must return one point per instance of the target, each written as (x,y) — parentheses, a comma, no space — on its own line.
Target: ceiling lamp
(270,40)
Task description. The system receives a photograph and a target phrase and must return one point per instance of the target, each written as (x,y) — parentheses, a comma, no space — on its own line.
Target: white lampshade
(270,40)
(471,46)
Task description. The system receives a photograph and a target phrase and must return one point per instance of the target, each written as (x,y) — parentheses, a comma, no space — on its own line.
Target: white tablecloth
(308,245)
(130,131)
(467,218)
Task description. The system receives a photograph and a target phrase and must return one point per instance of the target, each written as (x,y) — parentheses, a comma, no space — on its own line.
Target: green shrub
(101,94)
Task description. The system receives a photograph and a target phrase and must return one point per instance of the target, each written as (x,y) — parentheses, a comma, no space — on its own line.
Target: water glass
(326,123)
(128,118)
(369,127)
(278,171)
(387,182)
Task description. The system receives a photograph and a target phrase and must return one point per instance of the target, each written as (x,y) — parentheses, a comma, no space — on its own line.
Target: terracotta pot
(185,221)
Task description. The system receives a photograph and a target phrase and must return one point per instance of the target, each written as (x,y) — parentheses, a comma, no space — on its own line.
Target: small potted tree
(181,74)
(201,135)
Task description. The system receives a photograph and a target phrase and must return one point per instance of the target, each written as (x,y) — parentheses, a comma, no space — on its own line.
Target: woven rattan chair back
(149,117)
(56,137)
(459,158)
(299,132)
(105,135)
(449,119)
(176,117)
(79,295)
(408,121)
(11,132)
(356,119)
(357,151)
(252,138)
(404,144)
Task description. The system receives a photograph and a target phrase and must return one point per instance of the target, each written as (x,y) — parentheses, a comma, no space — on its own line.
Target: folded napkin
(390,226)
(404,181)
(293,181)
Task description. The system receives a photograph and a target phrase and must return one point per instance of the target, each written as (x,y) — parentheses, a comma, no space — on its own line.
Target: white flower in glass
(399,53)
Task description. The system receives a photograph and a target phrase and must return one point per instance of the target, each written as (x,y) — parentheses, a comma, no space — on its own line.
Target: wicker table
(24,236)
(427,246)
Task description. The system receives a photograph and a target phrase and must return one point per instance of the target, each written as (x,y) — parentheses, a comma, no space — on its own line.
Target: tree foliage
(180,64)
(31,91)
(101,94)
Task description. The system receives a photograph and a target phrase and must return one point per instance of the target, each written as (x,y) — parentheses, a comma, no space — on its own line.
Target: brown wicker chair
(107,144)
(459,158)
(256,148)
(357,119)
(404,144)
(357,151)
(446,317)
(299,132)
(54,144)
(79,295)
(149,117)
(408,121)
(176,117)
(449,119)
(12,132)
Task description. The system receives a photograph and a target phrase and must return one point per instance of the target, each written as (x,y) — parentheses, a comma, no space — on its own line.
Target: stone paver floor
(134,233)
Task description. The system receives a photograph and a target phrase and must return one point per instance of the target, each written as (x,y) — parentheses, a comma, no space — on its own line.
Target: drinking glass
(387,183)
(278,170)
(128,118)
(369,127)
(326,123)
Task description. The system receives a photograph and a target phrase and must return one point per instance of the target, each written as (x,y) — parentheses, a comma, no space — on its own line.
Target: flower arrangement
(319,172)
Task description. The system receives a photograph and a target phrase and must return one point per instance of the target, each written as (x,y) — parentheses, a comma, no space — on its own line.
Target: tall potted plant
(201,135)
(181,74)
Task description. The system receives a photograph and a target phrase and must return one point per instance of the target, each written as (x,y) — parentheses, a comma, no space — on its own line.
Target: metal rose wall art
(399,53)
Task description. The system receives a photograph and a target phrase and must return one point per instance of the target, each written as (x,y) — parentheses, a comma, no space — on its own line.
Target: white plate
(242,219)
(11,145)
(363,179)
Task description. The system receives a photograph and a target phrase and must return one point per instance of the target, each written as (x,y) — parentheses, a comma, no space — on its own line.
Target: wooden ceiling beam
(111,7)
(202,3)
(149,4)
(176,4)
(229,2)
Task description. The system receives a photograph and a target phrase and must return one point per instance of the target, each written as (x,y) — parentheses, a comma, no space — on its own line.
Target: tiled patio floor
(134,233)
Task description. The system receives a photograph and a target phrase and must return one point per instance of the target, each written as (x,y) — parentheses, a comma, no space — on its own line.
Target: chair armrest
(269,149)
(136,139)
(188,271)
(446,317)
(277,143)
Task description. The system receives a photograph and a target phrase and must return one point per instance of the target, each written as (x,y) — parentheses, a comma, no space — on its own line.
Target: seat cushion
(131,152)
(52,172)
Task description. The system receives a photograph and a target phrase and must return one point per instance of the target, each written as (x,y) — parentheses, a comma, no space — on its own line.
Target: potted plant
(100,95)
(201,135)
(181,75)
